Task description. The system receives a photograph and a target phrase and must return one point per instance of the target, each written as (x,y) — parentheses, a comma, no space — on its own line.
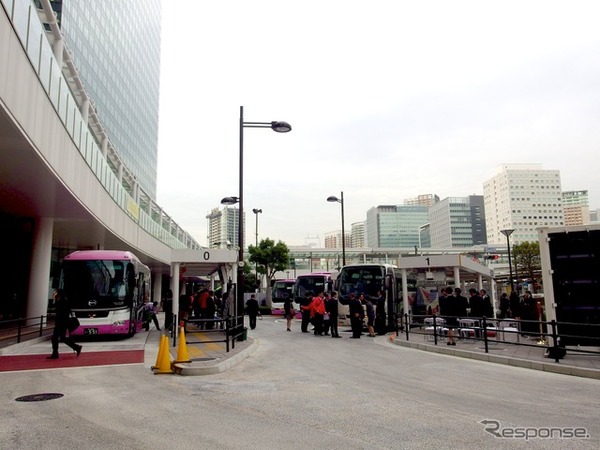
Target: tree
(251,283)
(527,259)
(269,258)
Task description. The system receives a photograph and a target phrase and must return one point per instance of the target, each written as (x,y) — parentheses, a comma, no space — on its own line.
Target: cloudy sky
(388,99)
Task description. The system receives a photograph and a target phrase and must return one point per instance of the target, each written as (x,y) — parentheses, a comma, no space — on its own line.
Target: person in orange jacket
(317,310)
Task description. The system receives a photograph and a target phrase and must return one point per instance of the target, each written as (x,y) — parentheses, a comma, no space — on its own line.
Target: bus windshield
(310,284)
(282,289)
(99,283)
(361,280)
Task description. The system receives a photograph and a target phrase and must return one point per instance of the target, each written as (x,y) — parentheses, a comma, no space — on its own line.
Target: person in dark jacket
(59,334)
(380,313)
(252,311)
(357,315)
(332,307)
(305,308)
(447,312)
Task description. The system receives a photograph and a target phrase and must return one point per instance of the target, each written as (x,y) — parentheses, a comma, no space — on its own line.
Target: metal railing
(230,329)
(551,335)
(15,331)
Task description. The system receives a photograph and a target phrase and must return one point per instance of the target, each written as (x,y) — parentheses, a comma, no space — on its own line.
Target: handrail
(548,335)
(23,327)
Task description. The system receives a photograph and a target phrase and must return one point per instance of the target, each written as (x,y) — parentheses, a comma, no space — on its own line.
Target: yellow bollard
(182,352)
(164,364)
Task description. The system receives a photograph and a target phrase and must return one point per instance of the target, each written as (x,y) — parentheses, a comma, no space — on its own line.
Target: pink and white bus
(106,290)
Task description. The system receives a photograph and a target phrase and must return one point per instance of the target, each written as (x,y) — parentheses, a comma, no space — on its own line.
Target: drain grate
(38,397)
(203,359)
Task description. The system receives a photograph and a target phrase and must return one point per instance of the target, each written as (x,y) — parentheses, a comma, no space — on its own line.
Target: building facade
(223,225)
(576,207)
(422,200)
(115,46)
(357,234)
(395,225)
(522,197)
(333,239)
(457,222)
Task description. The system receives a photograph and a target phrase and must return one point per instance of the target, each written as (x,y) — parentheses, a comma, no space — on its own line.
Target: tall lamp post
(507,233)
(333,198)
(279,127)
(256,213)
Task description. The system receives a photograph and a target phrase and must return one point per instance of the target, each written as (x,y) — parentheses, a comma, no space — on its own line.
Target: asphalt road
(299,391)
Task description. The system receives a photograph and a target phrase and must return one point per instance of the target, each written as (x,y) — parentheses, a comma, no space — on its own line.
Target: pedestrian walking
(62,311)
(252,311)
(288,311)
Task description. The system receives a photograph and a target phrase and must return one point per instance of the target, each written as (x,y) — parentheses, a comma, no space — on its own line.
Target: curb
(210,368)
(506,360)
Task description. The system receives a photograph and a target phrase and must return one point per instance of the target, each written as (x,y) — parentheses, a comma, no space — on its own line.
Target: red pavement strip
(10,363)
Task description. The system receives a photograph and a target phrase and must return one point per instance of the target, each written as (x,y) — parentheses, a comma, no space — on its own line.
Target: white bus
(368,279)
(281,290)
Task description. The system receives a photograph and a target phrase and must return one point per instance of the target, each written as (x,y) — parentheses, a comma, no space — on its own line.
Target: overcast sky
(387,99)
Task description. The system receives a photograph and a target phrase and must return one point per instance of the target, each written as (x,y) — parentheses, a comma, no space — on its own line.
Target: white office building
(523,198)
(223,226)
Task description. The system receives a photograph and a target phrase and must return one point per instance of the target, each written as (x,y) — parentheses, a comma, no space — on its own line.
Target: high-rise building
(576,207)
(423,200)
(523,198)
(223,226)
(333,239)
(357,234)
(115,46)
(595,215)
(395,226)
(457,222)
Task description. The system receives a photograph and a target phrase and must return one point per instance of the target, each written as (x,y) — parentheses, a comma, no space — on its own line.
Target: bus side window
(130,284)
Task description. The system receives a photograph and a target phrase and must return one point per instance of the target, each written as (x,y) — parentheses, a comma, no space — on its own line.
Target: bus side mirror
(336,285)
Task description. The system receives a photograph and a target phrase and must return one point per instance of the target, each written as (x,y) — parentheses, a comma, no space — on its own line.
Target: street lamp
(507,233)
(256,213)
(333,198)
(279,127)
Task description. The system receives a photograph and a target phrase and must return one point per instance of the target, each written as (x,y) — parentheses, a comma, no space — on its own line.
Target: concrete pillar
(457,277)
(39,277)
(175,288)
(479,282)
(405,302)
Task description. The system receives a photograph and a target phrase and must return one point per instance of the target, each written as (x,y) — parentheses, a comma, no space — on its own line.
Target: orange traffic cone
(159,355)
(163,363)
(182,352)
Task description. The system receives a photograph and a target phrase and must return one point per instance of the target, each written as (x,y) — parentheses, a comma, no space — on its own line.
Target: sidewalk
(142,348)
(574,363)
